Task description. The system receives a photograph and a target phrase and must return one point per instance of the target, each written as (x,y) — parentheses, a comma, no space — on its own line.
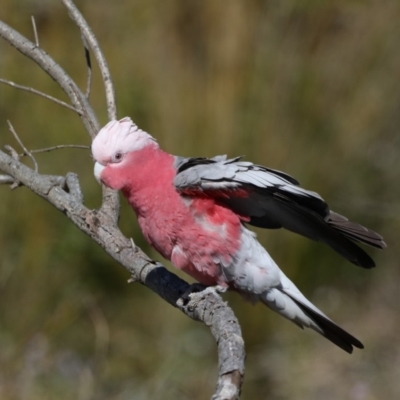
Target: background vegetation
(308,87)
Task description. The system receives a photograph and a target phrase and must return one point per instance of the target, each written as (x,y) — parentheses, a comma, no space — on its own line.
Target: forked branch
(39,93)
(65,194)
(88,34)
(209,308)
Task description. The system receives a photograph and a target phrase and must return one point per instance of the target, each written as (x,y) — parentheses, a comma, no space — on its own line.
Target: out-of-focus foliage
(308,87)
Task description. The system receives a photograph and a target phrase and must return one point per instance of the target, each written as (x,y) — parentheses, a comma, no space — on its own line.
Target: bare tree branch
(60,146)
(110,202)
(89,66)
(48,65)
(101,225)
(26,151)
(46,96)
(35,30)
(208,307)
(110,198)
(101,61)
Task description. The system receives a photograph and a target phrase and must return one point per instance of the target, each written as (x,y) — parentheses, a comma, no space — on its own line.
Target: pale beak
(98,169)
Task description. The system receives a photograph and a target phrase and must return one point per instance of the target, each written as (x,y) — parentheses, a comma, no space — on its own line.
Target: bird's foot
(220,288)
(193,288)
(200,289)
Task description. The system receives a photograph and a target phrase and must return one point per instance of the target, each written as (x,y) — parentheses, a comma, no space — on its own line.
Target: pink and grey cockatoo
(194,211)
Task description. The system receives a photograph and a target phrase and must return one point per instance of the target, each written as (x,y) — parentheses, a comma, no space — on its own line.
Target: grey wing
(250,190)
(272,199)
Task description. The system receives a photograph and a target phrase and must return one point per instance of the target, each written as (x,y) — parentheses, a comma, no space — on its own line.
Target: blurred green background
(308,87)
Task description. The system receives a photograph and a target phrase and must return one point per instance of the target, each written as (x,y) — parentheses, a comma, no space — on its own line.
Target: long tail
(288,301)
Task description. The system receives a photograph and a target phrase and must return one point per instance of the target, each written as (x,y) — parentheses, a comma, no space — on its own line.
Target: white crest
(119,137)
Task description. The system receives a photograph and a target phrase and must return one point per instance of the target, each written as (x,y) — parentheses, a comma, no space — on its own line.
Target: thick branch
(208,307)
(101,225)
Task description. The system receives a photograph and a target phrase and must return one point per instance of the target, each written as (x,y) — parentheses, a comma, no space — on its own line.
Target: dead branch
(57,147)
(89,67)
(26,151)
(35,31)
(209,308)
(39,93)
(101,225)
(41,58)
(110,203)
(98,54)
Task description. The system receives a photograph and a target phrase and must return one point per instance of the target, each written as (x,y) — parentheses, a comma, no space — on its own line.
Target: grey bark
(100,225)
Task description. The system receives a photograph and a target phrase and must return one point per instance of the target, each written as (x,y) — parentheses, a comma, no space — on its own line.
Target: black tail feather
(355,231)
(331,331)
(301,220)
(309,217)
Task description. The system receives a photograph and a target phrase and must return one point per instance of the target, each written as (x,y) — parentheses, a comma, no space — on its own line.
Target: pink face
(111,149)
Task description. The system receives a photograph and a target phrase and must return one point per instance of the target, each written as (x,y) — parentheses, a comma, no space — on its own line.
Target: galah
(194,211)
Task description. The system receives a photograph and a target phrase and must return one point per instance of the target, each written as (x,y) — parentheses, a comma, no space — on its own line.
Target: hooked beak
(98,169)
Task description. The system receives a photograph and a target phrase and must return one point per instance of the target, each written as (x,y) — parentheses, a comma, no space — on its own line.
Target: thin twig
(110,202)
(44,61)
(12,152)
(26,151)
(85,111)
(86,31)
(46,96)
(59,146)
(35,30)
(101,225)
(89,66)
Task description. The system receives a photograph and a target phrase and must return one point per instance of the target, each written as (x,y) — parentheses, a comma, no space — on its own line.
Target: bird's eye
(117,157)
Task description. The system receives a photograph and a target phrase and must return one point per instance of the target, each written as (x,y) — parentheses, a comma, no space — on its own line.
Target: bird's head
(112,147)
